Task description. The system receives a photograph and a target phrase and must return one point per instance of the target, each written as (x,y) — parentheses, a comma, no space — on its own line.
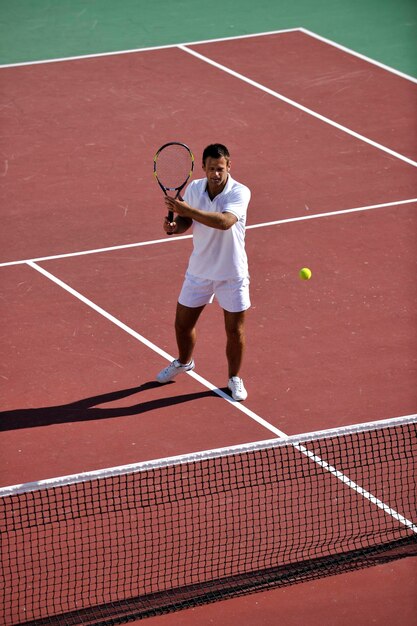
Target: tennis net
(140,540)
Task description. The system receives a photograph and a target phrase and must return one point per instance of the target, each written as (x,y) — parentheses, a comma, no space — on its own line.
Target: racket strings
(172,166)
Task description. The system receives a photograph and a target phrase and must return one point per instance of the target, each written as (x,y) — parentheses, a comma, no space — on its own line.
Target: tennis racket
(173,166)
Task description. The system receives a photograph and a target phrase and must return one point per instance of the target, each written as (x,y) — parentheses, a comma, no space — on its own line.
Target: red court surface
(78,387)
(343,87)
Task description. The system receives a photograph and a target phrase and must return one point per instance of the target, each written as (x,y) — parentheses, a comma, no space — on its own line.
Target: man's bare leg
(185,322)
(235,346)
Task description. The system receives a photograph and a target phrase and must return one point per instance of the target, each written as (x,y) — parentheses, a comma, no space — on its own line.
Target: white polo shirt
(219,254)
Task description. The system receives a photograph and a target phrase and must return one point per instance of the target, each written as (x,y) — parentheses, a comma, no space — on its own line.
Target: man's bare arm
(221,221)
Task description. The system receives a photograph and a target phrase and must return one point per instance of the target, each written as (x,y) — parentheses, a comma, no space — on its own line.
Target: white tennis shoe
(237,388)
(172,370)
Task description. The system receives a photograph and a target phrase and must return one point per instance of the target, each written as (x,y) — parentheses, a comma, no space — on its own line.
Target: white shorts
(232,295)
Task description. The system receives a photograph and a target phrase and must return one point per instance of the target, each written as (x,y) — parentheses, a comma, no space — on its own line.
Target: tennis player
(216,207)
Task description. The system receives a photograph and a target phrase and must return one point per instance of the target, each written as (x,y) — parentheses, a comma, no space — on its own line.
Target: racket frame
(176,189)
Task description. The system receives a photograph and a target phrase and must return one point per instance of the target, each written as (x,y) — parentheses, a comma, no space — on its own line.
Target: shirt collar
(227,187)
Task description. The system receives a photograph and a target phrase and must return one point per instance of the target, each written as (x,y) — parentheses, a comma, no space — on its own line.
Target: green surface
(384,30)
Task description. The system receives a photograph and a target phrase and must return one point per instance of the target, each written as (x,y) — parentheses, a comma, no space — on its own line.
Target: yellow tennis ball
(305,273)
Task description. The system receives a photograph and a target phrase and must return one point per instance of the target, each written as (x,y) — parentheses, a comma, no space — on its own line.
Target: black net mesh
(158,539)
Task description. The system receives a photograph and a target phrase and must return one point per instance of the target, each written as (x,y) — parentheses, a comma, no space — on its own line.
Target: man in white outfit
(216,207)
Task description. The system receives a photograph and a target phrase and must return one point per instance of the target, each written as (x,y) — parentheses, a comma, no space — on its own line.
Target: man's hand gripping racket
(173,166)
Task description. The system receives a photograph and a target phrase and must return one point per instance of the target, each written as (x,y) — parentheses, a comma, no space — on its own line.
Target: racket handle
(170,218)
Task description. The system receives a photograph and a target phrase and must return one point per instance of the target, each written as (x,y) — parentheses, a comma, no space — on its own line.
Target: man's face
(217,171)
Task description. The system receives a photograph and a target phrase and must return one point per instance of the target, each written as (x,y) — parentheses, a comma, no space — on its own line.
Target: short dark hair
(216,151)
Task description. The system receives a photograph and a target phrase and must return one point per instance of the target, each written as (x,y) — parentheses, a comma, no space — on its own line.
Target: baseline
(150,48)
(301,29)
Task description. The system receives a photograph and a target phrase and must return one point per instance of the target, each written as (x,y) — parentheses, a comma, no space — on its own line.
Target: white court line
(97,55)
(212,453)
(296,105)
(359,490)
(152,346)
(357,54)
(149,344)
(98,250)
(300,29)
(303,218)
(313,457)
(139,244)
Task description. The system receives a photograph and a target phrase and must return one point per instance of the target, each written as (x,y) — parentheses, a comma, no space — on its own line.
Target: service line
(167,240)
